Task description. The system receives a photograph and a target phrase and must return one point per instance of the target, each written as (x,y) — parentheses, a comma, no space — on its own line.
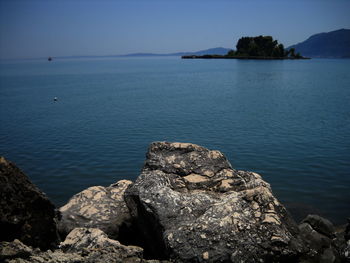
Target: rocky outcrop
(188,205)
(25,212)
(191,206)
(83,245)
(97,207)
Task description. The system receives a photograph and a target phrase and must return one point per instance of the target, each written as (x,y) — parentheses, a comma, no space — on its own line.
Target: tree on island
(261,46)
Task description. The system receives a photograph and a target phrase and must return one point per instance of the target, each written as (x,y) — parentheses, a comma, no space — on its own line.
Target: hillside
(334,44)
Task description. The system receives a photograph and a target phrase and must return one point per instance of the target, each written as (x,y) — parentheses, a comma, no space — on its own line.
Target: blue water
(287,120)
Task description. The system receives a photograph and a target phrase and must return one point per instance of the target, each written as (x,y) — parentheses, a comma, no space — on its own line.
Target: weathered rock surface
(83,245)
(188,205)
(97,207)
(191,206)
(93,238)
(25,212)
(15,249)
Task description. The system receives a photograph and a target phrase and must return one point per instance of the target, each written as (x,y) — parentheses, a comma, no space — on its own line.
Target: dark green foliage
(231,53)
(292,52)
(261,46)
(298,55)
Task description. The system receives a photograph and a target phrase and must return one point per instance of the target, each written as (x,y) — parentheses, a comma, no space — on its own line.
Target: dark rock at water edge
(25,212)
(320,224)
(324,243)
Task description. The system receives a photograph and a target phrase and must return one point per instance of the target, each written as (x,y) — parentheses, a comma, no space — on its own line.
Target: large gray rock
(191,206)
(25,212)
(97,207)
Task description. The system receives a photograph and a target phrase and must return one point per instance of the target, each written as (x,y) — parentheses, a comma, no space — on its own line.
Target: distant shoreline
(239,57)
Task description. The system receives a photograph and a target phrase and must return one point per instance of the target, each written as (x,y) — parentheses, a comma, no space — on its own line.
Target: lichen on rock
(97,207)
(191,205)
(83,245)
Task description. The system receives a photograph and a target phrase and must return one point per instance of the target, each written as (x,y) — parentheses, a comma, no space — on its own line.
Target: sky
(42,28)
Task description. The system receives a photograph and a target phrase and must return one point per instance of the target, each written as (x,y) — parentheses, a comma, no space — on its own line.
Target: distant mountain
(210,51)
(334,44)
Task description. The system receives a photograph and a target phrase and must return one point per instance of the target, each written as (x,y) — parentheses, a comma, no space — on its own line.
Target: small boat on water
(55,99)
(49,58)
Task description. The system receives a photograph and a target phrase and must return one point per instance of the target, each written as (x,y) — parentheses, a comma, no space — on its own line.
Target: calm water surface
(288,120)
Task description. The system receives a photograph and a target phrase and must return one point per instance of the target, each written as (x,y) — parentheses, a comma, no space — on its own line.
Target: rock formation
(25,212)
(188,205)
(191,206)
(97,207)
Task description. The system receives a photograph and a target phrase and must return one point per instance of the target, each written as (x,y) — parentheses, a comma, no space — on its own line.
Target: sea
(288,120)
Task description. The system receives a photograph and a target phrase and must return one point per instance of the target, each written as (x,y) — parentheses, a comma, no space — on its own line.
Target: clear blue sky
(31,28)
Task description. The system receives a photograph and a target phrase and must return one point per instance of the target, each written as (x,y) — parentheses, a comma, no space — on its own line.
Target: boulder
(25,212)
(316,243)
(323,242)
(190,205)
(97,207)
(320,224)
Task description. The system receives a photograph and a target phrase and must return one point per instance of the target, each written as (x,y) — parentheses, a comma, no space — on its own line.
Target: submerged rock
(191,206)
(25,212)
(97,207)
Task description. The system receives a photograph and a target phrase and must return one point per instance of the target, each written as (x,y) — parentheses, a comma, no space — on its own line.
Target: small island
(260,47)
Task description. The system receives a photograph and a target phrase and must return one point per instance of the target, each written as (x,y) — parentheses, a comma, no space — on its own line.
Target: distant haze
(30,29)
